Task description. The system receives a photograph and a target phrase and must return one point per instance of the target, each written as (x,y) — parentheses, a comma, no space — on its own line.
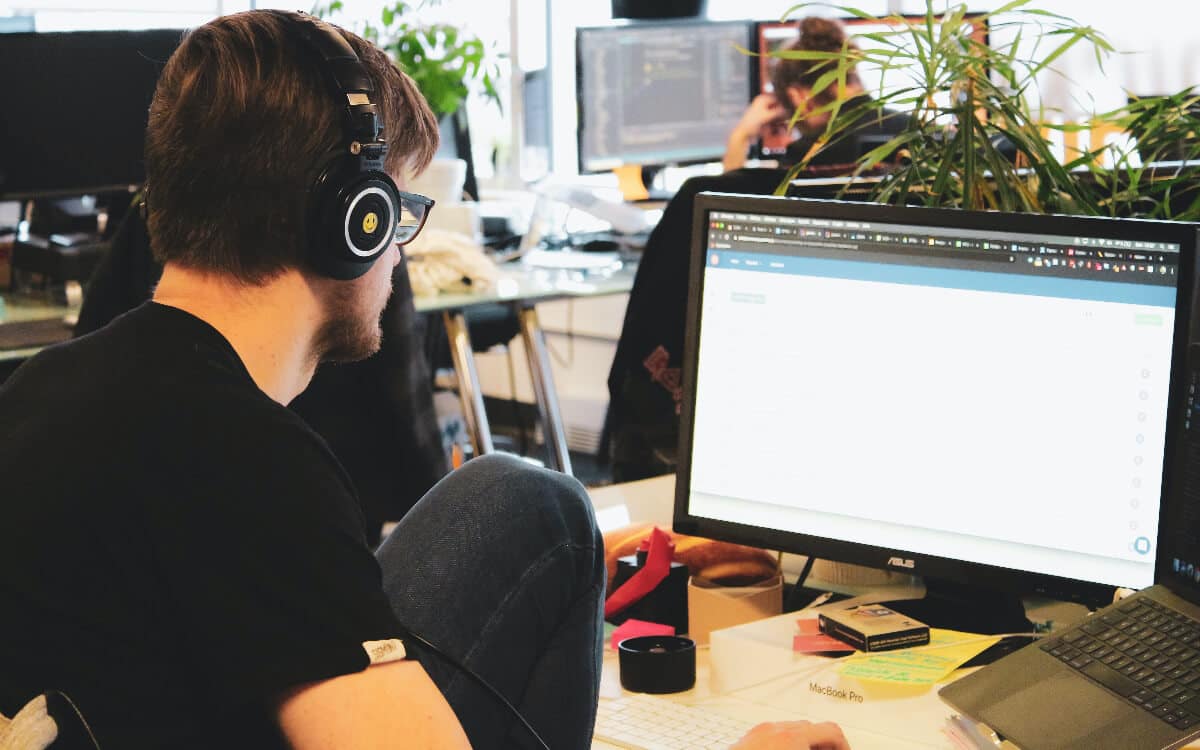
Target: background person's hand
(764,110)
(794,735)
(763,115)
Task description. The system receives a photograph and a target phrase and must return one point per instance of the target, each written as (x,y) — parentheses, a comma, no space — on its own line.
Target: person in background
(795,93)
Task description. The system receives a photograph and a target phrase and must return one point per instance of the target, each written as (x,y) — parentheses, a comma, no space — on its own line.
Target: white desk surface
(16,308)
(779,699)
(889,720)
(527,282)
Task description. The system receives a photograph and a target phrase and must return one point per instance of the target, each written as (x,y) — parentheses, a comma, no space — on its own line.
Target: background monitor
(772,36)
(75,111)
(979,398)
(658,93)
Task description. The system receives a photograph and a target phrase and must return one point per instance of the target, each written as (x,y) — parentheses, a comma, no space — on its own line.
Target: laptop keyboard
(1145,652)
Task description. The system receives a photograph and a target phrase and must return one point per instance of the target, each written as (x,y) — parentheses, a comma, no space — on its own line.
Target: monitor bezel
(899,559)
(751,29)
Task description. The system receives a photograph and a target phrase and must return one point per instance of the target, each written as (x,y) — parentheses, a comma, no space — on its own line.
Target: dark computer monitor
(773,36)
(75,106)
(659,93)
(1164,128)
(987,400)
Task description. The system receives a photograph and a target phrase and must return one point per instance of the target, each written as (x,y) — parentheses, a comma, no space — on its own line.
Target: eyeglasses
(414,210)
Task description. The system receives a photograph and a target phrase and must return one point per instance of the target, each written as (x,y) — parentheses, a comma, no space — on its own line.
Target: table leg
(543,387)
(469,392)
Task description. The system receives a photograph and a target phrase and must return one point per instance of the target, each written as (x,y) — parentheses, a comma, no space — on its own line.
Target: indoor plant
(976,141)
(443,59)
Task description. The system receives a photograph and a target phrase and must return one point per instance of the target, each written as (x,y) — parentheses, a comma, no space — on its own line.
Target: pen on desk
(968,734)
(821,599)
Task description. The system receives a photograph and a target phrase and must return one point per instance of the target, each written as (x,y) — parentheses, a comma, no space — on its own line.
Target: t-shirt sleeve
(268,579)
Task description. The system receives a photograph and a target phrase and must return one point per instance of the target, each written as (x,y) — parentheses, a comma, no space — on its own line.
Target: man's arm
(763,110)
(388,705)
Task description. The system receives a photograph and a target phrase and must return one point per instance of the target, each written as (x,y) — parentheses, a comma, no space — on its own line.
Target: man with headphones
(202,580)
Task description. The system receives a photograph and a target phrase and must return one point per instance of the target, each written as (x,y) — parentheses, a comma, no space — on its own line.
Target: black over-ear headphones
(352,204)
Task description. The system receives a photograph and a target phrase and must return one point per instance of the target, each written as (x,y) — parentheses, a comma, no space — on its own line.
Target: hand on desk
(794,735)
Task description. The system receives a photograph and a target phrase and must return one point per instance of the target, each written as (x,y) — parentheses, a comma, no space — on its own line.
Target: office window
(491,131)
(1156,53)
(78,15)
(773,10)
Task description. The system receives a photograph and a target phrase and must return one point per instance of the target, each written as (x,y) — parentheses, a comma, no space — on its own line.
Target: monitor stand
(650,176)
(970,609)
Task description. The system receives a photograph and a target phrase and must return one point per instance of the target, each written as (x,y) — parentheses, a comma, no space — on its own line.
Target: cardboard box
(712,607)
(874,627)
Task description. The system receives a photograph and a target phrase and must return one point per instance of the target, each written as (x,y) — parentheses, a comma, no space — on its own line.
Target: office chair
(641,429)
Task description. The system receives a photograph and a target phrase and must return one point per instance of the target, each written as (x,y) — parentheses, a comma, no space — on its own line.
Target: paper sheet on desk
(755,662)
(572,260)
(923,665)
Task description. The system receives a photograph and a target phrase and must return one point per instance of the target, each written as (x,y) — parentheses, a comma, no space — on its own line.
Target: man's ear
(797,96)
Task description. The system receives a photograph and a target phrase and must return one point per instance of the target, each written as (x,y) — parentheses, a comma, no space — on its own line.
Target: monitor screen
(660,93)
(976,396)
(74,121)
(773,36)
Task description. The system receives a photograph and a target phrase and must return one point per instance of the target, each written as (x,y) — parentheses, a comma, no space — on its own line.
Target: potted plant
(976,141)
(445,61)
(442,59)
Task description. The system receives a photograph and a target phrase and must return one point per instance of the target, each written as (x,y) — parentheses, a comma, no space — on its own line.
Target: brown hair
(240,122)
(816,35)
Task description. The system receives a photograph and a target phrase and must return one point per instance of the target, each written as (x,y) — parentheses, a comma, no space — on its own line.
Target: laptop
(1127,676)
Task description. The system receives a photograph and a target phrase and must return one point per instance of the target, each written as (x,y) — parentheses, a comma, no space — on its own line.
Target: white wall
(1155,43)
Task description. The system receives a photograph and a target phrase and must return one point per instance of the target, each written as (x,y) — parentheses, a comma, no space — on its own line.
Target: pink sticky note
(635,628)
(810,639)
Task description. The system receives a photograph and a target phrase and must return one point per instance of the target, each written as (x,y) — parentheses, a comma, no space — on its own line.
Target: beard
(351,332)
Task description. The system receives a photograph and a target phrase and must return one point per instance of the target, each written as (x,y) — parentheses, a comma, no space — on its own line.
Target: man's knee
(521,489)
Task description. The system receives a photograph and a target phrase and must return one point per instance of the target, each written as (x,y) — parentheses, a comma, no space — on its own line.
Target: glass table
(540,277)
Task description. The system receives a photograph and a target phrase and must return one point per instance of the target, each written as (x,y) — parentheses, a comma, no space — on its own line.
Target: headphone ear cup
(352,218)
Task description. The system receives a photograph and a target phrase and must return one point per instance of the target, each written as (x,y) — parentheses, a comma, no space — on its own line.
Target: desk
(892,721)
(782,698)
(522,286)
(24,309)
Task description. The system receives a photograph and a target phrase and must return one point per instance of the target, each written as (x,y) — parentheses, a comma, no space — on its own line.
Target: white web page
(1007,429)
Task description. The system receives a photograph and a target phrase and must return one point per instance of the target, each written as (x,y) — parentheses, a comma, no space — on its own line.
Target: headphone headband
(348,80)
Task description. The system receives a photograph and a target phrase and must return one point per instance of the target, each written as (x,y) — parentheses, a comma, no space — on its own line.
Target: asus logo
(900,562)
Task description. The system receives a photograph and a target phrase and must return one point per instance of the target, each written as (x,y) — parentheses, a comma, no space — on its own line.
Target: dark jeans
(502,566)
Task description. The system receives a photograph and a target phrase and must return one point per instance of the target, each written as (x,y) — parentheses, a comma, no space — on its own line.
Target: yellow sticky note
(629,179)
(922,665)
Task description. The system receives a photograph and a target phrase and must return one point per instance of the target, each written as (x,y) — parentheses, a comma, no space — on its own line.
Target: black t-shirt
(176,548)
